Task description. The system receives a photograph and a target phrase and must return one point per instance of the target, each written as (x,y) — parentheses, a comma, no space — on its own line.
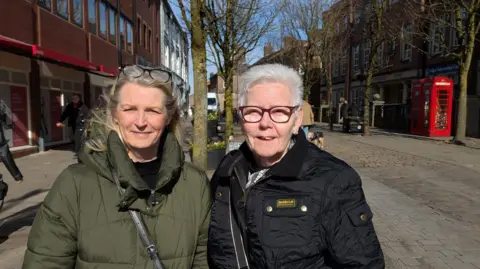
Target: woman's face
(267,139)
(141,117)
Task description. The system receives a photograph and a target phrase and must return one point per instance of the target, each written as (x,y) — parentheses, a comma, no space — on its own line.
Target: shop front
(57,85)
(14,101)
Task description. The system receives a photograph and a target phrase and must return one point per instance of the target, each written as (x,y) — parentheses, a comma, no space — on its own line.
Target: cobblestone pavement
(425,196)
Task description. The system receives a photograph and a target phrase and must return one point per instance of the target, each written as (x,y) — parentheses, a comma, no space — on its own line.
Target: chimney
(267,49)
(289,41)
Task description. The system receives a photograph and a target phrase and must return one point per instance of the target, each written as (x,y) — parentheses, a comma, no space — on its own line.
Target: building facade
(174,50)
(399,63)
(51,49)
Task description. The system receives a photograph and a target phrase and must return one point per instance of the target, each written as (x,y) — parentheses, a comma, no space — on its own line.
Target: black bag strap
(142,231)
(242,260)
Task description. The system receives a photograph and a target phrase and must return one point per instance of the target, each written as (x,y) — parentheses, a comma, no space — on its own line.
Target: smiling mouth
(266,138)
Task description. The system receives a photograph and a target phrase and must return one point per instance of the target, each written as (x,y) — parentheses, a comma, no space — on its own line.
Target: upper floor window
(112,28)
(103,20)
(139,30)
(129,36)
(78,12)
(406,42)
(145,36)
(92,17)
(47,4)
(437,36)
(122,33)
(356,57)
(150,39)
(62,8)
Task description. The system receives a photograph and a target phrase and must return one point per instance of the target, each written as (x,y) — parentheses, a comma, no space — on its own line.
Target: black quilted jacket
(308,212)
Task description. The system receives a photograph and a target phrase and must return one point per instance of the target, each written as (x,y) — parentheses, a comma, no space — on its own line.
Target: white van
(212,103)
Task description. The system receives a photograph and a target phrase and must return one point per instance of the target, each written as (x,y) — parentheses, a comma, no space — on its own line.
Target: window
(454,35)
(366,55)
(335,66)
(406,42)
(112,28)
(47,4)
(356,58)
(379,56)
(344,64)
(78,12)
(139,31)
(103,20)
(145,36)
(129,37)
(437,36)
(358,16)
(62,8)
(92,17)
(150,39)
(122,33)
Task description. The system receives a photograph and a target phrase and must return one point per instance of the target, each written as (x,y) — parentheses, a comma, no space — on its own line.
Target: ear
(298,120)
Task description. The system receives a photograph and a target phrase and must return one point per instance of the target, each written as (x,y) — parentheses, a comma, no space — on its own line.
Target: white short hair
(271,73)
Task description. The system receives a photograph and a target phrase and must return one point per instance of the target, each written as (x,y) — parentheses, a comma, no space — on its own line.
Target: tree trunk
(228,106)
(366,105)
(461,129)
(199,55)
(330,104)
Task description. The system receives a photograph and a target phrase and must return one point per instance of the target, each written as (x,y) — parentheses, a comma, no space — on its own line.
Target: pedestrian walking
(132,202)
(281,202)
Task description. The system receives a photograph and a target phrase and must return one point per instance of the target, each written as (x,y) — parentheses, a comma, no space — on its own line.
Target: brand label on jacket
(286,203)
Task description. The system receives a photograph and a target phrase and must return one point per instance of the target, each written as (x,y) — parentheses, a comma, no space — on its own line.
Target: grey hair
(271,73)
(102,123)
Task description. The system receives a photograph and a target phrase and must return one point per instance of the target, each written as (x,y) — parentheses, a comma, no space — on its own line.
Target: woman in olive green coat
(84,221)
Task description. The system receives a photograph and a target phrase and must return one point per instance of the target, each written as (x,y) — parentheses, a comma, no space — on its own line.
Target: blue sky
(253,56)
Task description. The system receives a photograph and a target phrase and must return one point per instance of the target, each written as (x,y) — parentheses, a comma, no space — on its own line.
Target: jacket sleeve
(66,113)
(348,224)
(200,259)
(52,242)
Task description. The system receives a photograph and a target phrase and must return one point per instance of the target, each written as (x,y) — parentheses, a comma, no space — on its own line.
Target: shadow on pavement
(17,221)
(9,203)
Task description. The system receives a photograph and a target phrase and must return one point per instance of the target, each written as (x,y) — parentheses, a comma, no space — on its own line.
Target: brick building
(50,49)
(399,63)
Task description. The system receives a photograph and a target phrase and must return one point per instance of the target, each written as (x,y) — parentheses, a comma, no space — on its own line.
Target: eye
(156,111)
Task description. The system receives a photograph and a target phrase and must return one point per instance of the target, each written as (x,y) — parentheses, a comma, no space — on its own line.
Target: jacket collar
(169,152)
(290,166)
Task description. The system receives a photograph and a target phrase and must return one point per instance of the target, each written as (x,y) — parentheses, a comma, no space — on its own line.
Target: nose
(141,119)
(266,121)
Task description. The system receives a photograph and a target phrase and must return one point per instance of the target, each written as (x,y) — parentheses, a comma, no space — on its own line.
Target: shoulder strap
(142,232)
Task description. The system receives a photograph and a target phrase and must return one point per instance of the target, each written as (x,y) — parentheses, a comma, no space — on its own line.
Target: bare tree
(302,21)
(194,19)
(450,28)
(331,39)
(378,22)
(235,28)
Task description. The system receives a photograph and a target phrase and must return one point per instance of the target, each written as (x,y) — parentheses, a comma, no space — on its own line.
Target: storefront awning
(63,58)
(15,44)
(52,55)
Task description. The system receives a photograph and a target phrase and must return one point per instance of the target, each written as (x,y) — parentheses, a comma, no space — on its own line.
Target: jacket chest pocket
(287,221)
(221,210)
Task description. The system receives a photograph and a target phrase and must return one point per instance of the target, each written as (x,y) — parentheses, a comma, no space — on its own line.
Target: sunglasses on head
(136,71)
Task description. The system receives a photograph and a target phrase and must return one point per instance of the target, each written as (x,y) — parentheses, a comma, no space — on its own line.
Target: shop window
(4,75)
(78,87)
(103,20)
(78,12)
(67,85)
(92,17)
(19,78)
(112,28)
(56,83)
(61,8)
(46,4)
(44,82)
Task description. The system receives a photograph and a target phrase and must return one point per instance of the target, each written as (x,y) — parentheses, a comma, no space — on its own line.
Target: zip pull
(153,200)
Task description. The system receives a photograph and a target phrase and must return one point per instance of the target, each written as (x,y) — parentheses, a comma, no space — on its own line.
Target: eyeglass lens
(277,114)
(136,71)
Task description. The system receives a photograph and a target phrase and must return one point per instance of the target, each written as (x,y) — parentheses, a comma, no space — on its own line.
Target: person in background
(281,202)
(76,113)
(132,164)
(307,120)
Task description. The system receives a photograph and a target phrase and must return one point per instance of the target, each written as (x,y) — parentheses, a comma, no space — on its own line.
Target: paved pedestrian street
(425,197)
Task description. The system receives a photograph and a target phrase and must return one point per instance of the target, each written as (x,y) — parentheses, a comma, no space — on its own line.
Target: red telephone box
(432,107)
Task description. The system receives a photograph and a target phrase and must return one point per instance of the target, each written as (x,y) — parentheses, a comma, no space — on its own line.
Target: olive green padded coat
(81,225)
